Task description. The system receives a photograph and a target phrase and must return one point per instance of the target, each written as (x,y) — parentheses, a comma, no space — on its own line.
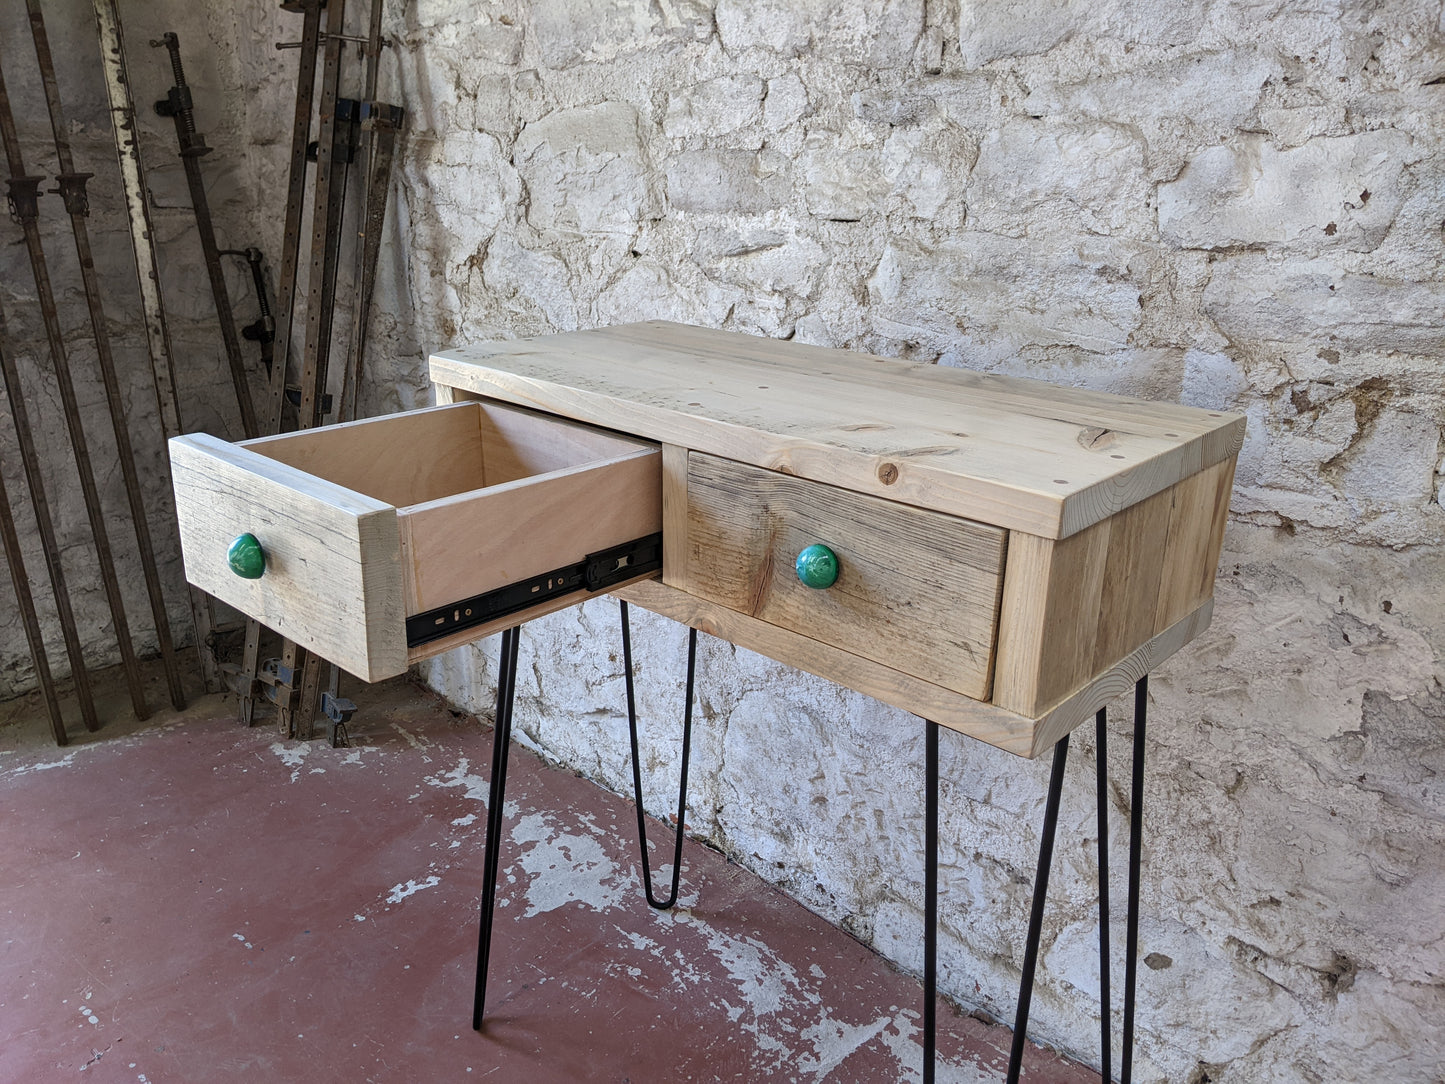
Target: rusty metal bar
(320,293)
(158,335)
(72,190)
(177,106)
(10,542)
(248,684)
(23,192)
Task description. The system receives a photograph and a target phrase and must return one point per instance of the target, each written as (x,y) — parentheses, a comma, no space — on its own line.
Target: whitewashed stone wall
(213,68)
(1237,205)
(1234,204)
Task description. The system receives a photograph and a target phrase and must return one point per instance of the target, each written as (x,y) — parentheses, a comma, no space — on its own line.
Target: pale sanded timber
(916,590)
(333,568)
(1010,731)
(472,497)
(985,447)
(1075,606)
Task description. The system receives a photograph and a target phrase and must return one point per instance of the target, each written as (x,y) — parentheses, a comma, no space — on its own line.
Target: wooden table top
(1022,454)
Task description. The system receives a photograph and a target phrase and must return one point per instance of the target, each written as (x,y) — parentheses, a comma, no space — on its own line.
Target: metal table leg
(501,739)
(652,900)
(1036,914)
(1136,845)
(1041,882)
(1101,800)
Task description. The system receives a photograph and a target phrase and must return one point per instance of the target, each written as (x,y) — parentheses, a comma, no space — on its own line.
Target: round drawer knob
(246,557)
(817,566)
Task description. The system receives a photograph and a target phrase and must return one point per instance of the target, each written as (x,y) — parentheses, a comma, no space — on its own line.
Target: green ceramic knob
(246,557)
(817,566)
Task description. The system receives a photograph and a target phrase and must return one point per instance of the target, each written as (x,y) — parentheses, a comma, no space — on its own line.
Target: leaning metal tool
(143,245)
(26,601)
(10,543)
(324,227)
(262,330)
(48,545)
(23,205)
(72,190)
(379,125)
(177,105)
(249,687)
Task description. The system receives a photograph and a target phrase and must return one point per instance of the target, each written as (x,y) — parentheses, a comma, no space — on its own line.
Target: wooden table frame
(1108,572)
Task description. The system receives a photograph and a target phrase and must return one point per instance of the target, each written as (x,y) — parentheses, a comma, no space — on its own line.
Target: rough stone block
(1330,193)
(989,30)
(878,33)
(842,183)
(586,170)
(764,261)
(567,31)
(715,107)
(1394,461)
(727,182)
(1089,175)
(786,101)
(984,297)
(1218,91)
(1254,296)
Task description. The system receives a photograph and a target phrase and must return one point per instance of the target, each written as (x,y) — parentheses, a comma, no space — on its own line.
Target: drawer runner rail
(597,572)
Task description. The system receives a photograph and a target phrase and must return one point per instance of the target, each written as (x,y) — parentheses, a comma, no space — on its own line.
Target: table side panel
(1074,607)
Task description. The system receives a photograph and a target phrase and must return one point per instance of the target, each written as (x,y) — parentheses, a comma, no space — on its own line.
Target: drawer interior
(430,455)
(487,495)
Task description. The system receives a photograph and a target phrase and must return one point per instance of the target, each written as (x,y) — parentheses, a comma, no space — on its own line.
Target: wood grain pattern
(674,515)
(1197,517)
(916,590)
(979,446)
(1010,731)
(333,575)
(522,443)
(1117,680)
(1074,607)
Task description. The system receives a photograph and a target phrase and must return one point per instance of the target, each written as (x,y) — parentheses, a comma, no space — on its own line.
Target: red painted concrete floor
(186,900)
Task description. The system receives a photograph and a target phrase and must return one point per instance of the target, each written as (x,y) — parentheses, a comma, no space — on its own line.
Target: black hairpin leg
(1036,915)
(661,905)
(1136,846)
(501,739)
(930,897)
(1101,797)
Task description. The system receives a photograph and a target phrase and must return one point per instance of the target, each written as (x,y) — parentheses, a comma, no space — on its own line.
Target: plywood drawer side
(917,590)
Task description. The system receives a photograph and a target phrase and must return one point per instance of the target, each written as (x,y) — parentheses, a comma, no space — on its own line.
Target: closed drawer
(917,591)
(389,539)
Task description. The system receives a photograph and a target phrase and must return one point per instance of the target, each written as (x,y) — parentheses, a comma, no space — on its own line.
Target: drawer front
(916,590)
(367,524)
(333,570)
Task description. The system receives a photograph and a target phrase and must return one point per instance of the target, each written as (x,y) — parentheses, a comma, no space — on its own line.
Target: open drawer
(388,540)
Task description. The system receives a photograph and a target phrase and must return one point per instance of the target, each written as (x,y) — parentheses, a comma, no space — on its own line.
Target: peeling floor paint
(737,983)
